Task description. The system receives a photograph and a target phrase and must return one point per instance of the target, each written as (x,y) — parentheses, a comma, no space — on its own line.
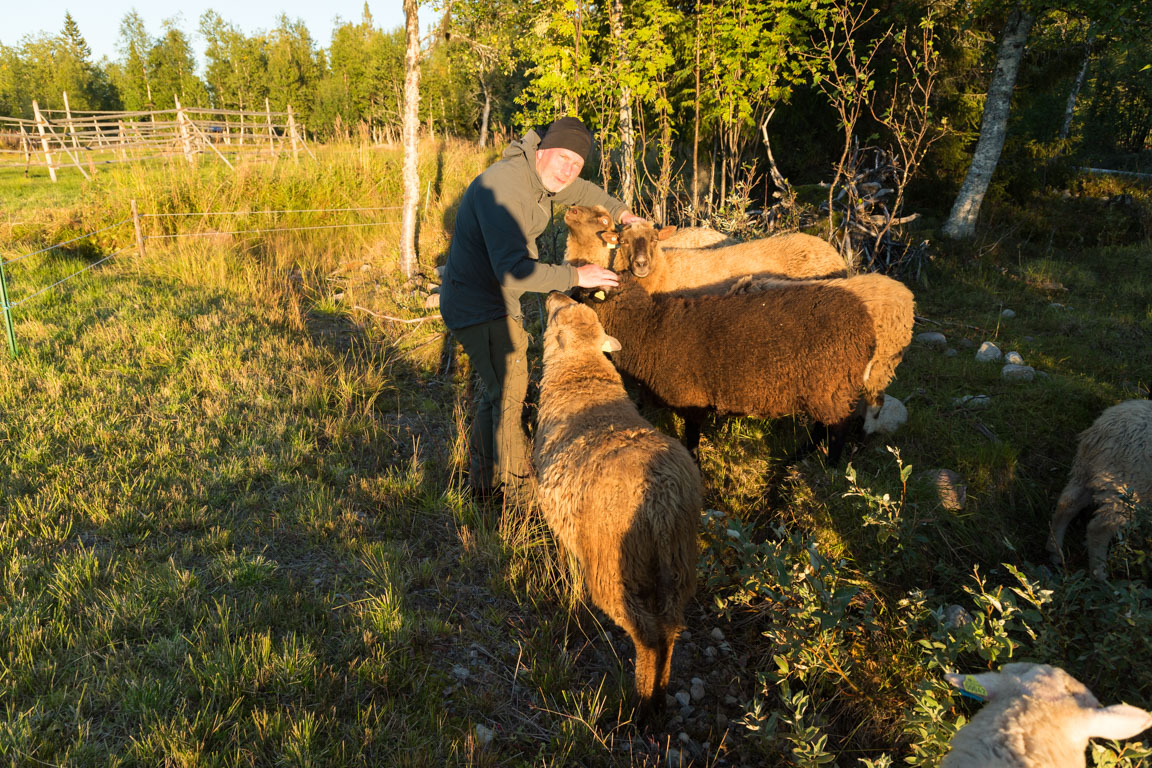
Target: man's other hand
(593,276)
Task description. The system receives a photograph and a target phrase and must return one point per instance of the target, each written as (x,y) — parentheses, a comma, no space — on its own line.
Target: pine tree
(74,39)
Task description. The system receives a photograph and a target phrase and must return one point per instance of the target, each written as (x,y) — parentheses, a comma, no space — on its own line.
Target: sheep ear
(666,232)
(1120,721)
(985,686)
(562,338)
(605,221)
(611,239)
(611,344)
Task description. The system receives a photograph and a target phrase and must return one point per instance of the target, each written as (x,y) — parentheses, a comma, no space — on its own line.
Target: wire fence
(7,306)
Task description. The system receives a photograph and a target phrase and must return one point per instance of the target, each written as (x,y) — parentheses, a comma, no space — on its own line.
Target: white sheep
(1035,716)
(695,237)
(1113,454)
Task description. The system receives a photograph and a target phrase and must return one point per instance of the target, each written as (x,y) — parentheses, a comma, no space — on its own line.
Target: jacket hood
(526,147)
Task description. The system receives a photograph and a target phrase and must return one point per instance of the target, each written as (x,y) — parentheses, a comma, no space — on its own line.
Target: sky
(99,22)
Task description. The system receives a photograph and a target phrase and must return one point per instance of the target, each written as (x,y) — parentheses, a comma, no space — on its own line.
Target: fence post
(44,140)
(24,146)
(139,231)
(68,114)
(271,135)
(6,308)
(185,136)
(292,133)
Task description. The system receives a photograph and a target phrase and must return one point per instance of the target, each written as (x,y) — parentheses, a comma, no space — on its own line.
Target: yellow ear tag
(971,685)
(600,295)
(610,246)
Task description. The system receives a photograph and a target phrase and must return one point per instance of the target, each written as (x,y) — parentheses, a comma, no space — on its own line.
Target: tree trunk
(664,183)
(485,115)
(696,133)
(961,222)
(627,134)
(411,139)
(1070,107)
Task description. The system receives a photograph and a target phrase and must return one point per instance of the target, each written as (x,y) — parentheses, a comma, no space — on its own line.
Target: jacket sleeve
(502,224)
(584,192)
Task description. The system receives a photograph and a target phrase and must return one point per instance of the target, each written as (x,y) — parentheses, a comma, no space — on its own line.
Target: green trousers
(498,446)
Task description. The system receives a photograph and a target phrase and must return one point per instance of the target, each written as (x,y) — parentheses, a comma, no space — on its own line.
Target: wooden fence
(87,139)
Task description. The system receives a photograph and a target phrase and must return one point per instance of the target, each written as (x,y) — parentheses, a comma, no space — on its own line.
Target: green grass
(232,530)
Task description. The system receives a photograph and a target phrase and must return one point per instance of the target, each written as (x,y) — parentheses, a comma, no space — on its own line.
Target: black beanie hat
(568,133)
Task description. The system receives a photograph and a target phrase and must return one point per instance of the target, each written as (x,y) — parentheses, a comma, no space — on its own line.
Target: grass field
(232,530)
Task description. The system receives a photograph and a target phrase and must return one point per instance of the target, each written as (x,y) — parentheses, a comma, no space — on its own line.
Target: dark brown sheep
(621,496)
(803,348)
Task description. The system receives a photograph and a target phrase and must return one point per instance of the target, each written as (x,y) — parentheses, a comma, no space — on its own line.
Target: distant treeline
(682,78)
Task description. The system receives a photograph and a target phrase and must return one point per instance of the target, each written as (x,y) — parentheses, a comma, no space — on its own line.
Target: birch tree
(411,134)
(961,222)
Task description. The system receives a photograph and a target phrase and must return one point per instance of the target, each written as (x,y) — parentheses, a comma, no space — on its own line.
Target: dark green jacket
(493,257)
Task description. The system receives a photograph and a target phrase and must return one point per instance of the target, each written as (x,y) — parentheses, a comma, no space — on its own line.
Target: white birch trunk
(485,114)
(411,134)
(627,133)
(1074,95)
(961,222)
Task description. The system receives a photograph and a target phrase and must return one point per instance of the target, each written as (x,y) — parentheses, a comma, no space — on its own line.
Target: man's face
(558,167)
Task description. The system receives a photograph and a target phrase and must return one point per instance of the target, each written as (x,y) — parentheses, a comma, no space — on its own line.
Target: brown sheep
(891,307)
(622,497)
(803,348)
(698,271)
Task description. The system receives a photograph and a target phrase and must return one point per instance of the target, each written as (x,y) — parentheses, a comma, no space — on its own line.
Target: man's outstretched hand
(593,276)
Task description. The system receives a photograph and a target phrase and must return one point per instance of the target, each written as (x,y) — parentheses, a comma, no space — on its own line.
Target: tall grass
(233,530)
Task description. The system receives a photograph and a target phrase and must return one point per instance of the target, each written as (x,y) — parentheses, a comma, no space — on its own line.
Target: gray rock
(711,652)
(685,635)
(484,736)
(683,698)
(950,490)
(932,340)
(956,616)
(432,302)
(950,352)
(1007,314)
(973,402)
(988,353)
(674,759)
(717,634)
(460,672)
(440,271)
(721,721)
(697,689)
(1015,358)
(731,700)
(1018,372)
(684,738)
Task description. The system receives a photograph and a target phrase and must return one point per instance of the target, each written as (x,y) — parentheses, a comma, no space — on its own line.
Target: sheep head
(640,241)
(1052,684)
(573,326)
(591,235)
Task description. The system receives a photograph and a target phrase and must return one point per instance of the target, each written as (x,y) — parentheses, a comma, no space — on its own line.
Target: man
(493,260)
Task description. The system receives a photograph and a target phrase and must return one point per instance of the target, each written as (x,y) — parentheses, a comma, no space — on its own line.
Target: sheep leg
(1073,499)
(837,435)
(648,666)
(693,420)
(1101,528)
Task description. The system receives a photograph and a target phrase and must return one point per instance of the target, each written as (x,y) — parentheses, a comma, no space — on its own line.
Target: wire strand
(278,229)
(246,213)
(66,242)
(74,274)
